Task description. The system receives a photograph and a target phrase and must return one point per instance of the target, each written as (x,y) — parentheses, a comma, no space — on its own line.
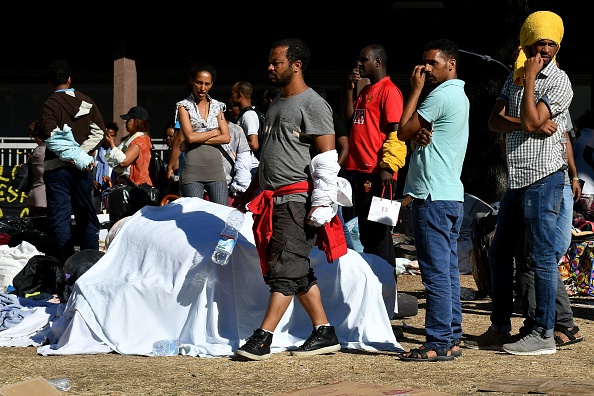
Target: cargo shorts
(290,245)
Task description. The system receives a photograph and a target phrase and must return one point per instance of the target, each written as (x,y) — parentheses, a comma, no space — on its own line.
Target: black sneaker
(523,332)
(257,347)
(322,340)
(489,340)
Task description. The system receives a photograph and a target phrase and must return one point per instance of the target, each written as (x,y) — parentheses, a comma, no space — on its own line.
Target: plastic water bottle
(228,237)
(166,347)
(61,384)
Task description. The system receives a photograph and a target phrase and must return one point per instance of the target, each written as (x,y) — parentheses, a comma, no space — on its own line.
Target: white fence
(15,150)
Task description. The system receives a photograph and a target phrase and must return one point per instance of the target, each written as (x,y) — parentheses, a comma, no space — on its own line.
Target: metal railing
(15,150)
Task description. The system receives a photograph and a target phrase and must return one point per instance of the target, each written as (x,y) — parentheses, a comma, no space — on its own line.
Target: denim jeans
(533,210)
(564,223)
(68,191)
(436,228)
(347,234)
(564,313)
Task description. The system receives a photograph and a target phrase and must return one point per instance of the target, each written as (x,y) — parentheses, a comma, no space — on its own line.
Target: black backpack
(482,235)
(43,274)
(262,120)
(158,172)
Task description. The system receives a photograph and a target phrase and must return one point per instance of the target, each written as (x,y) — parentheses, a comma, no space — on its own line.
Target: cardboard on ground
(548,386)
(37,386)
(346,388)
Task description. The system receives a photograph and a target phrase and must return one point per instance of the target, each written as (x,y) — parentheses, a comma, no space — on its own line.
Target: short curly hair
(58,72)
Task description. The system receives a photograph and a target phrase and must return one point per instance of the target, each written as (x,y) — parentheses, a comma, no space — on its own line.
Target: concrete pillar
(125,88)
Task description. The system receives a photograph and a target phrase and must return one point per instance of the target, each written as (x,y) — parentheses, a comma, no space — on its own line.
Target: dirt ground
(117,375)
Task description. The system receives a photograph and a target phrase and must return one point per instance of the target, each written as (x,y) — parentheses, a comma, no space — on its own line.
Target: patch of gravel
(120,375)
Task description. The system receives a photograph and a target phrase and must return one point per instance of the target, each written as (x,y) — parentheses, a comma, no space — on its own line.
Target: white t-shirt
(250,123)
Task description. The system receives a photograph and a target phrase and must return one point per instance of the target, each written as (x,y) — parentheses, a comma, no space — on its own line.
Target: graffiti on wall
(13,202)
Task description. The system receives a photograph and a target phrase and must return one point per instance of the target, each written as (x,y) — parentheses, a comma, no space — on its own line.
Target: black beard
(284,79)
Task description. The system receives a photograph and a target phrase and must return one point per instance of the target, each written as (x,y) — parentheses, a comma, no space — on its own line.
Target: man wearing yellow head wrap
(532,115)
(538,26)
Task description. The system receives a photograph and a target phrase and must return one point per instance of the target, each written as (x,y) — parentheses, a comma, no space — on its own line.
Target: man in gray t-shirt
(299,131)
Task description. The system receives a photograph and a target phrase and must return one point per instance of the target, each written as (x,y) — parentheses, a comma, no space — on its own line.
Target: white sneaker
(532,344)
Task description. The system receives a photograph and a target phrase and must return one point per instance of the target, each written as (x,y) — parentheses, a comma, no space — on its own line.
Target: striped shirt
(532,156)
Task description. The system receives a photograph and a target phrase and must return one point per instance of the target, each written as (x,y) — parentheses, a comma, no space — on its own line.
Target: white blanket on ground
(157,281)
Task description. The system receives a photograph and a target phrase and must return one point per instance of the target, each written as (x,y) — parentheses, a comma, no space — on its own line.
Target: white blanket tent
(157,281)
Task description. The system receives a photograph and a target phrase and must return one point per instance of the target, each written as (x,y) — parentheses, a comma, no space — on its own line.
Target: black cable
(486,58)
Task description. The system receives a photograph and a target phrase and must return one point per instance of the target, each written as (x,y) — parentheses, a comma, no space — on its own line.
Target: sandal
(571,334)
(420,355)
(455,349)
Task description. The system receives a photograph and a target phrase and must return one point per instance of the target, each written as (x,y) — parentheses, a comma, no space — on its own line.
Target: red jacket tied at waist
(330,237)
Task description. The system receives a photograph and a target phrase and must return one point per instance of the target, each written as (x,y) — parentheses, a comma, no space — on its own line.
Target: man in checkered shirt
(531,111)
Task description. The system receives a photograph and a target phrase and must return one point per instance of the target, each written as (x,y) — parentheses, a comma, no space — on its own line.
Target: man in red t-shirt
(375,153)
